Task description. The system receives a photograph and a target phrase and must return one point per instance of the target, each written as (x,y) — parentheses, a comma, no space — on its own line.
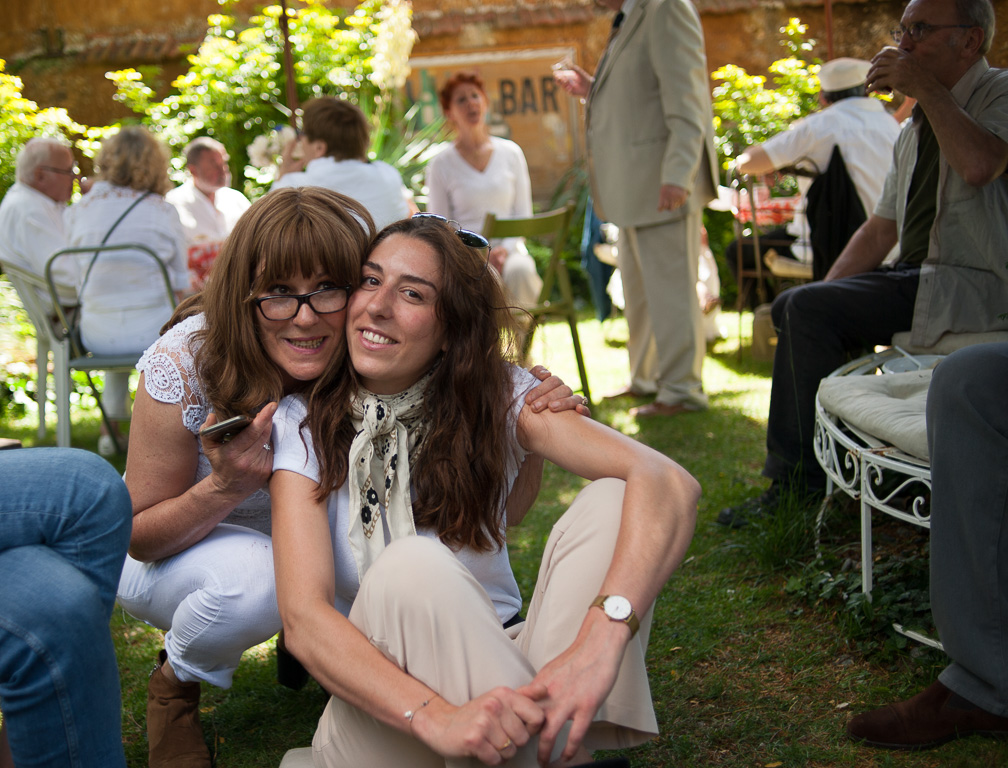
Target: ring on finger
(584,401)
(507,744)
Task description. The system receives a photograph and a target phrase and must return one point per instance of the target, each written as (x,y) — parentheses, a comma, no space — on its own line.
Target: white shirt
(865,133)
(376,185)
(464,194)
(491,569)
(31,230)
(206,224)
(123,300)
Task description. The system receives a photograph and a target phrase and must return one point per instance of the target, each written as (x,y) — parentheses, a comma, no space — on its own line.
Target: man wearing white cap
(859,126)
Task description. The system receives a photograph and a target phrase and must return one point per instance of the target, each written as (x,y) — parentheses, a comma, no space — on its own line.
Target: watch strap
(631,621)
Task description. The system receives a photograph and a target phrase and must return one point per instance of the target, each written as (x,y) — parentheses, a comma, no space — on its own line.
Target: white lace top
(170,377)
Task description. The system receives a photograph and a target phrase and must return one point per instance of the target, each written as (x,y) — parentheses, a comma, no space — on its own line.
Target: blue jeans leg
(65,519)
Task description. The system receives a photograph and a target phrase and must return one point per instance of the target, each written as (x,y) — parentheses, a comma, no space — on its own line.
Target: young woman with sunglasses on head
(425,653)
(269,323)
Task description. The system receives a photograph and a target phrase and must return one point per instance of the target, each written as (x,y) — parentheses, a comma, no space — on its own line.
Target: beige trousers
(423,609)
(659,265)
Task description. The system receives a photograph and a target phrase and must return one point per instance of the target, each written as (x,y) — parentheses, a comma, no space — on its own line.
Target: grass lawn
(755,658)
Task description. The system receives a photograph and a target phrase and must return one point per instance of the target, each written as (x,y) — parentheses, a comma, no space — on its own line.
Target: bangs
(306,243)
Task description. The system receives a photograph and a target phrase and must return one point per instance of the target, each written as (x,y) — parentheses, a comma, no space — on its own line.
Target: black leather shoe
(757,507)
(774,499)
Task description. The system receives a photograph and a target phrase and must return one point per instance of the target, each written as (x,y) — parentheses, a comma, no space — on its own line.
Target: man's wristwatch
(618,608)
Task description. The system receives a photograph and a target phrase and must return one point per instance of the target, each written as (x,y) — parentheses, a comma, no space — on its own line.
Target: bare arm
(866,249)
(170,512)
(755,162)
(346,664)
(972,151)
(658,518)
(551,393)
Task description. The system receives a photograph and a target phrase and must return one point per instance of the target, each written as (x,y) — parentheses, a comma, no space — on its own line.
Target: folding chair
(69,355)
(550,224)
(34,295)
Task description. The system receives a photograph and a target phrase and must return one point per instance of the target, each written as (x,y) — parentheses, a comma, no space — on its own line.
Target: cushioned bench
(871,440)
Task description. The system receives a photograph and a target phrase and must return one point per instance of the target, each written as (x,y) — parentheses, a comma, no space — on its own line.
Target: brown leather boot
(174,733)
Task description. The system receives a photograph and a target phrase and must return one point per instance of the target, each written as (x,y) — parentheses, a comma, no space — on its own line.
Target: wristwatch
(618,608)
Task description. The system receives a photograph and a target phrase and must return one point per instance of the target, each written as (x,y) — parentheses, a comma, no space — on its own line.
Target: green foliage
(20,120)
(747,112)
(235,88)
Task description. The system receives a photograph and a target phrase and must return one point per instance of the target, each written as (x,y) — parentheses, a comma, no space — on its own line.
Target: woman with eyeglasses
(479,174)
(269,323)
(389,503)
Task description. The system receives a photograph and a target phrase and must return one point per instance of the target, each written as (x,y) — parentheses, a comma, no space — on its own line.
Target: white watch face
(617,608)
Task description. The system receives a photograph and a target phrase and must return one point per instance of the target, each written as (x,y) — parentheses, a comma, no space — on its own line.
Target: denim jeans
(65,521)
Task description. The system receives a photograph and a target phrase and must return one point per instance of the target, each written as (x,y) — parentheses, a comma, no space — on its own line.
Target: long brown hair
(285,233)
(459,472)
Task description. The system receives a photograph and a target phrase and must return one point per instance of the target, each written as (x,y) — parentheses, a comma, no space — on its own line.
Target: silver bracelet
(409,713)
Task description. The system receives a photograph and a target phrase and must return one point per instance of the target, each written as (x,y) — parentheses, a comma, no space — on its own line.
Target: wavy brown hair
(287,232)
(133,158)
(458,473)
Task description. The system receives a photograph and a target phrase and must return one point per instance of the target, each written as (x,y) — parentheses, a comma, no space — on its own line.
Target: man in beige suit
(652,169)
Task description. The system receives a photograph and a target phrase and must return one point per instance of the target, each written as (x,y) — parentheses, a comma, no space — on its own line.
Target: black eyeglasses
(284,307)
(918,29)
(75,171)
(467,236)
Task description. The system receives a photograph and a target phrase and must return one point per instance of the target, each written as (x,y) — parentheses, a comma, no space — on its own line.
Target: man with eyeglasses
(31,213)
(943,204)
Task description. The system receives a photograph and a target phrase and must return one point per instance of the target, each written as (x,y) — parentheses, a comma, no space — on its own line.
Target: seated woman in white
(479,174)
(389,533)
(123,297)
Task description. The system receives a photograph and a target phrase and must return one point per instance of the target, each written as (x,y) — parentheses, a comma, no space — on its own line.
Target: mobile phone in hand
(223,431)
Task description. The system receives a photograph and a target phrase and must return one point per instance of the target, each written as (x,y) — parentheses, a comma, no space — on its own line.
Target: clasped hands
(569,689)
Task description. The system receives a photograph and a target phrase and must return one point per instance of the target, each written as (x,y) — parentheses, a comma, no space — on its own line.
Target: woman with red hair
(479,174)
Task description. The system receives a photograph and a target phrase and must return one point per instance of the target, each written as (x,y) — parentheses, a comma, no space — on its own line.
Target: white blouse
(123,300)
(491,569)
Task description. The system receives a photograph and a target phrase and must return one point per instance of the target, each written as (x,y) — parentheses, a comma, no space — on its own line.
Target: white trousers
(216,600)
(521,278)
(426,613)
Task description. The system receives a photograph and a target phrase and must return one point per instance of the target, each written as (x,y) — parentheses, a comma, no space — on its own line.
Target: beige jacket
(649,116)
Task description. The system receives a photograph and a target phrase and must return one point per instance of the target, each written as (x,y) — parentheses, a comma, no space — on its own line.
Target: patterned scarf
(388,428)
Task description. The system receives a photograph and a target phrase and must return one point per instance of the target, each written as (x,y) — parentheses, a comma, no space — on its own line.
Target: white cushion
(889,407)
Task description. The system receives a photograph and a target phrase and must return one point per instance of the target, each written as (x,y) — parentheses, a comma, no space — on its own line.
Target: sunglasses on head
(467,236)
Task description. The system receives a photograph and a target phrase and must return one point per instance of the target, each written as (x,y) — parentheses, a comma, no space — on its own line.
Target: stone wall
(62,48)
